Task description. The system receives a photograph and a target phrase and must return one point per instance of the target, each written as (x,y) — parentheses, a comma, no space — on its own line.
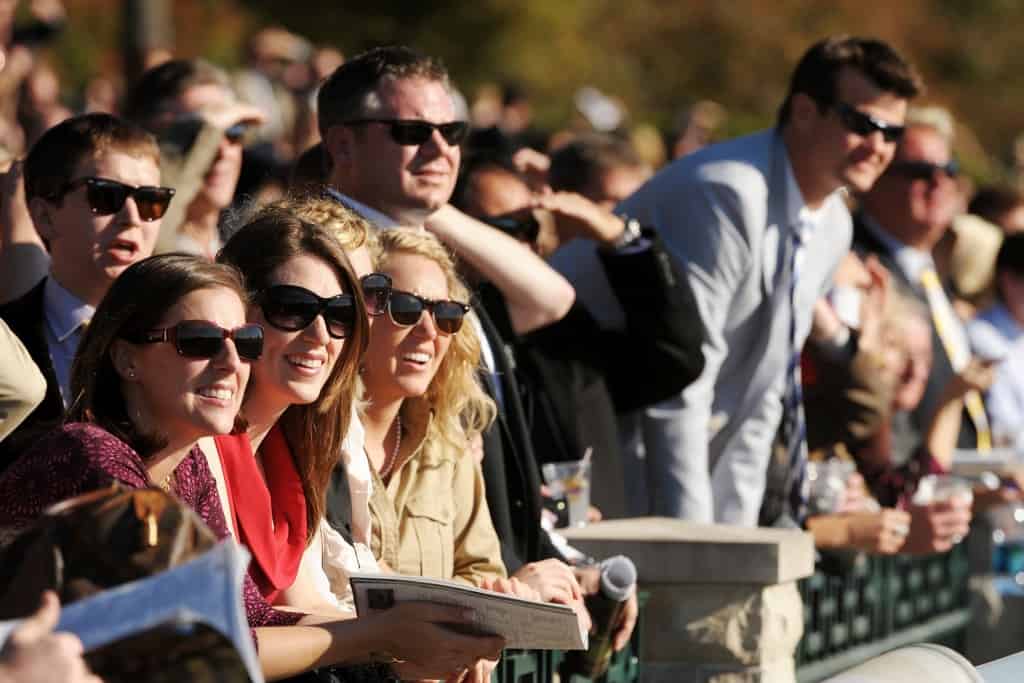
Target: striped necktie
(956,349)
(794,425)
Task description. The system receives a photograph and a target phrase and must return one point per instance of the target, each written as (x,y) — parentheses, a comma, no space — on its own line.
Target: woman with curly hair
(424,409)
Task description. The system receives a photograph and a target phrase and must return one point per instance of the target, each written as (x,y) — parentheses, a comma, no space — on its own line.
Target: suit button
(519,504)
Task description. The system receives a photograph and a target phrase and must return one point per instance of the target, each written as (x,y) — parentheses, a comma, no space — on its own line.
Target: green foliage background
(657,55)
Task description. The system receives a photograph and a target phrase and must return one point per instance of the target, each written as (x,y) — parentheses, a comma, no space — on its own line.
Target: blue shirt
(65,315)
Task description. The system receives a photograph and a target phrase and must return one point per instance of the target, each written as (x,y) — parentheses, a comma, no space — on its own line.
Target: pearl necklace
(391,458)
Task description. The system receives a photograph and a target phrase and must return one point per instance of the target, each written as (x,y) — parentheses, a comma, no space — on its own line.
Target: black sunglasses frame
(415,132)
(235,134)
(430,305)
(924,170)
(863,124)
(376,288)
(181,340)
(314,306)
(150,209)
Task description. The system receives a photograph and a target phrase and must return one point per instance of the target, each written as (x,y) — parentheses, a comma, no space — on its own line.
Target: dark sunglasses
(414,132)
(236,133)
(202,339)
(860,123)
(522,227)
(376,292)
(406,309)
(924,170)
(291,308)
(106,197)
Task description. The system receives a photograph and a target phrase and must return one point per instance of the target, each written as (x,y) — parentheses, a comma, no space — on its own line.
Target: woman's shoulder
(81,441)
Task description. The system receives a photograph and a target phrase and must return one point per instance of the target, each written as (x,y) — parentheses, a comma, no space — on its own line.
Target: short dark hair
(342,96)
(475,164)
(578,164)
(817,73)
(55,156)
(158,88)
(1010,259)
(124,314)
(310,171)
(992,202)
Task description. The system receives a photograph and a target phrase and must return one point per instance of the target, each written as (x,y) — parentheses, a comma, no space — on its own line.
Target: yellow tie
(938,305)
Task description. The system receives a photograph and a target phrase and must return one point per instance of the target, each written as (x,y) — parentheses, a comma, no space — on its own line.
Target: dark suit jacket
(865,242)
(511,474)
(578,375)
(26,319)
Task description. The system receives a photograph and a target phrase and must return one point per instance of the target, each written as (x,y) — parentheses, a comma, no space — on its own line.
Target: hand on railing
(937,527)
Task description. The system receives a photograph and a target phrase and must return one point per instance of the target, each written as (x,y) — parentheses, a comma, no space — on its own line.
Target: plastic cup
(571,481)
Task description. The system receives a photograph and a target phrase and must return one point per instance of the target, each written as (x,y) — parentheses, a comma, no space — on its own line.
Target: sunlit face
(917,363)
(921,209)
(402,361)
(87,251)
(218,188)
(407,182)
(842,156)
(187,398)
(295,365)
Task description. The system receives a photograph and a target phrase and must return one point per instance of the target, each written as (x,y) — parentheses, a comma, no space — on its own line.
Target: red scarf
(276,547)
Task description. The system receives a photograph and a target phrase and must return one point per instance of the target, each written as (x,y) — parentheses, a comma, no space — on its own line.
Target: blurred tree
(656,56)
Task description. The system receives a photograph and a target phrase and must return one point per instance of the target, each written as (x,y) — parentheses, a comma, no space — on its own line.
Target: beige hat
(973,262)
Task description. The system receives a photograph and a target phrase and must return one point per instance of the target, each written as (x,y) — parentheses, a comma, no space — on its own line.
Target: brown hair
(124,314)
(343,96)
(817,73)
(158,89)
(56,155)
(579,163)
(315,431)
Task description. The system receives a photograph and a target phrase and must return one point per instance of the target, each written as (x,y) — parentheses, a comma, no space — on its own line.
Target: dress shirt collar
(65,312)
(912,262)
(798,214)
(999,317)
(380,220)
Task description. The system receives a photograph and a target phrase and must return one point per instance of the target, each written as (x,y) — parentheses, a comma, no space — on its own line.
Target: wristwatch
(631,233)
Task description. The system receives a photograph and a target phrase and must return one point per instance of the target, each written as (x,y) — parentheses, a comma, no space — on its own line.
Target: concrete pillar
(724,606)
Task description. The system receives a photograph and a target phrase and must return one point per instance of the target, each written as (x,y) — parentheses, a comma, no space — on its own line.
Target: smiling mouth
(220,394)
(305,362)
(418,358)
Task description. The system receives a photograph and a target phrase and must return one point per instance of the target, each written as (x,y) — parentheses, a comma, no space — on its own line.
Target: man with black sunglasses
(760,225)
(903,218)
(92,185)
(391,134)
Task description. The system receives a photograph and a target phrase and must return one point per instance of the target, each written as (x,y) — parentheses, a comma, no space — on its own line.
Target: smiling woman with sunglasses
(153,374)
(304,294)
(424,407)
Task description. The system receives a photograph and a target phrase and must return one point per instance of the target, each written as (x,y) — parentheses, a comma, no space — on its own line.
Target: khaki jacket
(431,519)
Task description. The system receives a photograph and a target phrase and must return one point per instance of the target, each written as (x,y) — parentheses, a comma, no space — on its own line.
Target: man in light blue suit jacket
(730,213)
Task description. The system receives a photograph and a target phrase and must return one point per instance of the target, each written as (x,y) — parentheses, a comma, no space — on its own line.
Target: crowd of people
(345,318)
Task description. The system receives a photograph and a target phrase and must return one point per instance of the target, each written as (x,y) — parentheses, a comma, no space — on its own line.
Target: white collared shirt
(379,219)
(65,314)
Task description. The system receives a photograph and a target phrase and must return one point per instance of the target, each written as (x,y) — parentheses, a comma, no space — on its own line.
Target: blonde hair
(348,227)
(459,406)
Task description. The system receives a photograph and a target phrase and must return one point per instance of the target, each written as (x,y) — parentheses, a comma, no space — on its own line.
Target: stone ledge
(668,550)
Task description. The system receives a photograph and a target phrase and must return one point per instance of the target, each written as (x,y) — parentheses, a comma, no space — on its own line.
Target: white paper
(524,624)
(207,589)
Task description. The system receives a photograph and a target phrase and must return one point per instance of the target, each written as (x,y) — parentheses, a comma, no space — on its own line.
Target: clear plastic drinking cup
(570,480)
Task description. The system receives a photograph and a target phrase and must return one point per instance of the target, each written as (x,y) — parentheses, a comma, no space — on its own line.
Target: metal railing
(542,666)
(857,607)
